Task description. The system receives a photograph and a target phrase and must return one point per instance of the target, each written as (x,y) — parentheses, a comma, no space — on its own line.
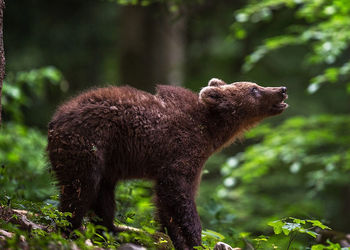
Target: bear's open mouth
(281,105)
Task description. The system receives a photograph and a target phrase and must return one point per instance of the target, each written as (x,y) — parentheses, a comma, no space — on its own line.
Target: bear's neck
(223,129)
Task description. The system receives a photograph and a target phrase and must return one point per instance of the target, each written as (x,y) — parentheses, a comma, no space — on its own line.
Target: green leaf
(299,221)
(312,233)
(317,223)
(261,238)
(244,234)
(318,247)
(213,234)
(332,74)
(291,227)
(277,226)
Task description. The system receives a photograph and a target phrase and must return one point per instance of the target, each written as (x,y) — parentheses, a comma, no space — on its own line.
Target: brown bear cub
(106,135)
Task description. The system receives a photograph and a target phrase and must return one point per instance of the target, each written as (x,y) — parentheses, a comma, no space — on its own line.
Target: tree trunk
(2,53)
(152,46)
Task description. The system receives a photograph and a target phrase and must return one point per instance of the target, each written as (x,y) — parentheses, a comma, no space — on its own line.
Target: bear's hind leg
(104,205)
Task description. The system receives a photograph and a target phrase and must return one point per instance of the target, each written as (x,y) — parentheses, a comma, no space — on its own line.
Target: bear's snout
(283,91)
(277,98)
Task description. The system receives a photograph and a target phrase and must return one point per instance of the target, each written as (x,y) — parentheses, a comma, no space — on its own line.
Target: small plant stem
(292,237)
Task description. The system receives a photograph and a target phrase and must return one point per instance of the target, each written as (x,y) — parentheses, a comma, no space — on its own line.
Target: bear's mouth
(281,105)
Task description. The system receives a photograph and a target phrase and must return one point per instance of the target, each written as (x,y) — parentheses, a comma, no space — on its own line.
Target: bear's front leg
(177,211)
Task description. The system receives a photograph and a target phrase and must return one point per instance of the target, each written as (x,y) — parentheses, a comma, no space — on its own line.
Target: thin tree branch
(2,53)
(19,218)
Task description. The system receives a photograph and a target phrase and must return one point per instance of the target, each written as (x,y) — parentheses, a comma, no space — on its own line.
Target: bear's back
(108,101)
(178,98)
(108,96)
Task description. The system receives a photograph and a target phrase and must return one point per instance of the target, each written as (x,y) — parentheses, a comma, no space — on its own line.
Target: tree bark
(152,46)
(2,53)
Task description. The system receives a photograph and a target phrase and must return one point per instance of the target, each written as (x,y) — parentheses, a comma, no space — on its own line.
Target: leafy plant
(209,239)
(21,88)
(294,168)
(36,238)
(292,226)
(330,246)
(314,19)
(134,205)
(55,218)
(23,171)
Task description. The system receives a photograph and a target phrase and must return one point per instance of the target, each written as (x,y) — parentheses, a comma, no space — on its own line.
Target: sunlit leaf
(277,226)
(317,223)
(213,234)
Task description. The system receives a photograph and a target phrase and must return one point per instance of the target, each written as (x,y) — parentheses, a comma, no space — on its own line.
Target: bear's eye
(255,91)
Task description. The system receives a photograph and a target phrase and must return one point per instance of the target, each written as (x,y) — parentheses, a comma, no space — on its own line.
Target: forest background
(294,165)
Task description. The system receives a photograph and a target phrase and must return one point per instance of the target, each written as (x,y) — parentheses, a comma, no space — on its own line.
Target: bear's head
(244,99)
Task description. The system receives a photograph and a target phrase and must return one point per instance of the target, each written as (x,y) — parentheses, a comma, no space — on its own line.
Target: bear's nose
(284,90)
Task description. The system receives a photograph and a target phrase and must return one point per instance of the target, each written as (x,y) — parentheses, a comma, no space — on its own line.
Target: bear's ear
(214,82)
(211,96)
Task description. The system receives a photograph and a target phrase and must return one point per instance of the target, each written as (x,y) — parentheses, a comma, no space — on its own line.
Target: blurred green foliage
(322,25)
(298,168)
(23,172)
(22,88)
(134,205)
(330,246)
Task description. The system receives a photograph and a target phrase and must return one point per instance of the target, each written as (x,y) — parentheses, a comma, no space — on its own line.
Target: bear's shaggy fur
(111,134)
